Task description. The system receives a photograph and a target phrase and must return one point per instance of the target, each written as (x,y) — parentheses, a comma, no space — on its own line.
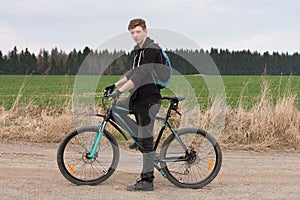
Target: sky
(257,25)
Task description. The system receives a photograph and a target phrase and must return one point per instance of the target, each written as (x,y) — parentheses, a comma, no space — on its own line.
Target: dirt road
(29,171)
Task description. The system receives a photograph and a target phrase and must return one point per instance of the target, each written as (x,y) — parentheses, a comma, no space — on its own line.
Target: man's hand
(109,89)
(116,94)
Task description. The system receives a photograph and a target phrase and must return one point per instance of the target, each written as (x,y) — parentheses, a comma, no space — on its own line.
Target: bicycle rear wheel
(195,168)
(73,160)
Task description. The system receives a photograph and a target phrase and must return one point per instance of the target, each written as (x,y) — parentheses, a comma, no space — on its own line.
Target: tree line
(58,62)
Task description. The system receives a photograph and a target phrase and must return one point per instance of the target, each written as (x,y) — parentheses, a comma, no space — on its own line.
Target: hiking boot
(141,185)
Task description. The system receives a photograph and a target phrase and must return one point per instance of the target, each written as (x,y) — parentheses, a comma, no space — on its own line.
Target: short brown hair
(137,22)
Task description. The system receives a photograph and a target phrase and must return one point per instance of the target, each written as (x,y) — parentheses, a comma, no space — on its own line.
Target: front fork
(96,142)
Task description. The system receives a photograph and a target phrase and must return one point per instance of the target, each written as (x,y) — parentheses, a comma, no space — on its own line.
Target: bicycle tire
(200,169)
(74,164)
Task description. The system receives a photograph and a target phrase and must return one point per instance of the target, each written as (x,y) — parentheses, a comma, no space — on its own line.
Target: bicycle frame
(188,158)
(108,118)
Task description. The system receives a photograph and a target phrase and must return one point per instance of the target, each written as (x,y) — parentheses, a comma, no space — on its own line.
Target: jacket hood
(149,43)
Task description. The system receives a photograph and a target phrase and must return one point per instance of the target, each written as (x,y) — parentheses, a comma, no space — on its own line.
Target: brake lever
(106,93)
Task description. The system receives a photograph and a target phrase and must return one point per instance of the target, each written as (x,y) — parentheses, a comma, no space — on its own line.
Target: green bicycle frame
(100,133)
(166,123)
(96,141)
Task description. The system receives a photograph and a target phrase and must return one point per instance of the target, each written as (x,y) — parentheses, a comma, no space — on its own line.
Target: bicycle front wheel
(73,160)
(197,166)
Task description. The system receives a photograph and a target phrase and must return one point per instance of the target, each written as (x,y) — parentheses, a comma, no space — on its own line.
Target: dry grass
(33,124)
(265,126)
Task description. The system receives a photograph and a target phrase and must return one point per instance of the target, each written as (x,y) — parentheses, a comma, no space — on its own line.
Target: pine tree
(13,61)
(2,64)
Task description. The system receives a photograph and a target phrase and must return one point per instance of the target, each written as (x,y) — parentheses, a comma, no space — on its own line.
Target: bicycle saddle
(174,98)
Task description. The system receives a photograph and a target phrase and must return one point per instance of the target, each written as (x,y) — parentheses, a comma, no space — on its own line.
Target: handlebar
(174,101)
(106,95)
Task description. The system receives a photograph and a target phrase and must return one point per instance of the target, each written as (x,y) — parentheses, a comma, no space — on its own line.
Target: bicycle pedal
(133,146)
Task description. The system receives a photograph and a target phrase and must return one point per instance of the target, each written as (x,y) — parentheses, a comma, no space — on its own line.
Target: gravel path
(29,171)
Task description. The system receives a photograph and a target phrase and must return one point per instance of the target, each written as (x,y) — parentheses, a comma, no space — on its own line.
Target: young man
(144,100)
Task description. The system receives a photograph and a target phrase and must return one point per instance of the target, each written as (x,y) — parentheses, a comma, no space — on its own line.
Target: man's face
(138,35)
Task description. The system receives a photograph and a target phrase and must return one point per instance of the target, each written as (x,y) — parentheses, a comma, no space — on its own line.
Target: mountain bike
(188,158)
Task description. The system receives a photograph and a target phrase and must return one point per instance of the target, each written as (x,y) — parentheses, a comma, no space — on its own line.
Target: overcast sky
(262,25)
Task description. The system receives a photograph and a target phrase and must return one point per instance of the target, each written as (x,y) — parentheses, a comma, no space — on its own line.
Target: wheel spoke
(200,167)
(73,160)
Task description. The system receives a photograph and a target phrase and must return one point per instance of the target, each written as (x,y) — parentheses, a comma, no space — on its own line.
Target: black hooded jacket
(144,74)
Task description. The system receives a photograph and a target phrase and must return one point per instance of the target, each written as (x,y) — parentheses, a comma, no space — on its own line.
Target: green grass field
(57,90)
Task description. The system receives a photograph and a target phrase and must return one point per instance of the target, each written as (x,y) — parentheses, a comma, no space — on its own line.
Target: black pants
(141,130)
